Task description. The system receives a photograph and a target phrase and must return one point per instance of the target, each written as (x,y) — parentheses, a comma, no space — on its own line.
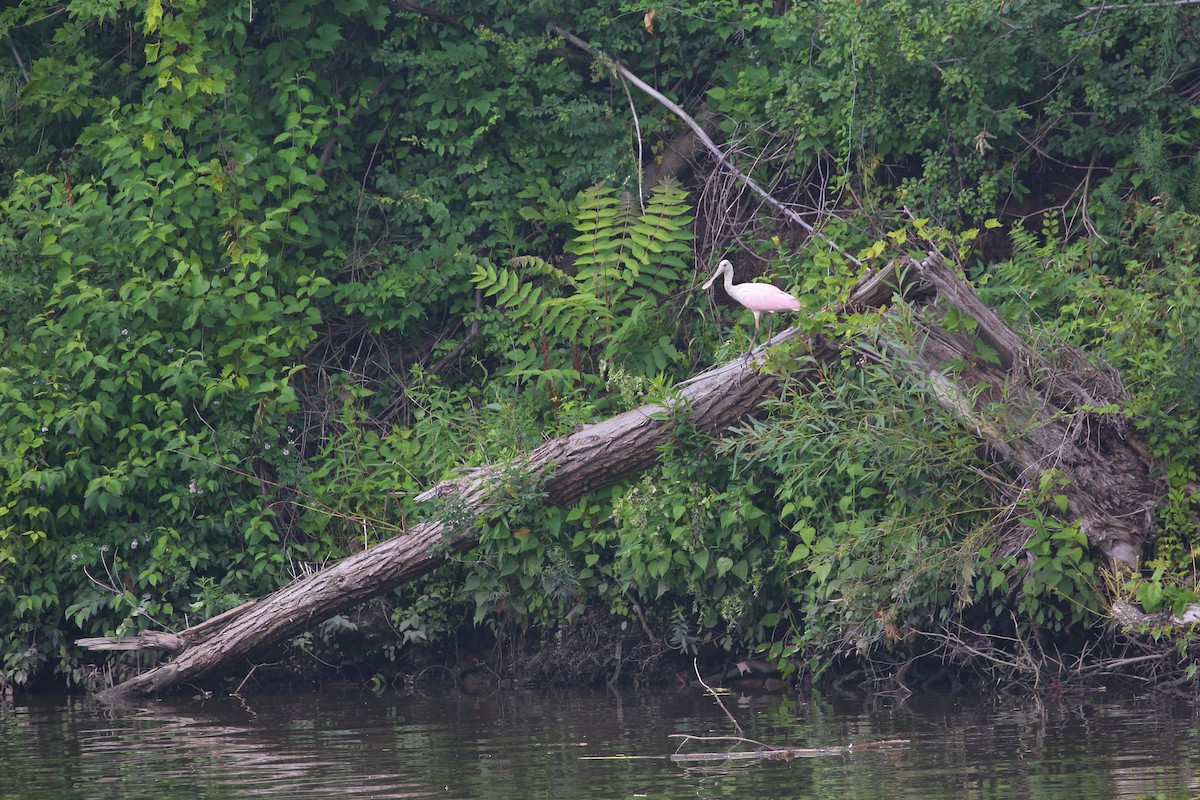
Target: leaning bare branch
(717,697)
(712,147)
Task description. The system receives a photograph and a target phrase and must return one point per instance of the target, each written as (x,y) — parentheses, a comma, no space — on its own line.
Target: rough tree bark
(590,458)
(1034,413)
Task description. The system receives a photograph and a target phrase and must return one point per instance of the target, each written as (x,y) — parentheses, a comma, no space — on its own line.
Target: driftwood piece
(787,753)
(1129,615)
(162,641)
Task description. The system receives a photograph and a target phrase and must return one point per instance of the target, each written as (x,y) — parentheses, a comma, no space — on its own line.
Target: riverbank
(600,650)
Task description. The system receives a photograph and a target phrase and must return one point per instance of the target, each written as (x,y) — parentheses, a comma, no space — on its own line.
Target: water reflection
(593,745)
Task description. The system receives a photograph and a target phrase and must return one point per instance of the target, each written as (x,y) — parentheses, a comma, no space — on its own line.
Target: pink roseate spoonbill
(758,297)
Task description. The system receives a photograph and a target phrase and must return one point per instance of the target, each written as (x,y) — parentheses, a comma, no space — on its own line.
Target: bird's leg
(753,341)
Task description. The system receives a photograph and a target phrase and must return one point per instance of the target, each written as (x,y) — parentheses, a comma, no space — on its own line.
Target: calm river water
(523,744)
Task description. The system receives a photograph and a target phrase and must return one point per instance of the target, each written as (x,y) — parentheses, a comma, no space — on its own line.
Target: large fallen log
(1033,412)
(593,457)
(588,459)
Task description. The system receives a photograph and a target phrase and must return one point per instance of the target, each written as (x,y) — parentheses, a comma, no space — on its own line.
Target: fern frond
(520,299)
(626,260)
(581,318)
(534,265)
(666,225)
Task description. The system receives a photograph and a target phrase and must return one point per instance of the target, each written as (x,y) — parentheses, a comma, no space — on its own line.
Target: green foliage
(957,108)
(1059,587)
(267,273)
(212,212)
(884,508)
(607,308)
(163,296)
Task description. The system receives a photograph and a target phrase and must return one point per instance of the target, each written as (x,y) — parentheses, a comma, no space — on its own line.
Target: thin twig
(637,127)
(17,56)
(113,586)
(717,697)
(687,737)
(641,615)
(243,683)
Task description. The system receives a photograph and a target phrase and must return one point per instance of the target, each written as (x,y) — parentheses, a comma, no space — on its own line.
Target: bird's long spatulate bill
(713,278)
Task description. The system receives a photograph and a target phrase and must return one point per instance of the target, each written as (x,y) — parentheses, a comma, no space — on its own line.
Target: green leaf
(154,15)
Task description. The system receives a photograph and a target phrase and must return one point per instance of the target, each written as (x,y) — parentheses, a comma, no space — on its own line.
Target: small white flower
(133,545)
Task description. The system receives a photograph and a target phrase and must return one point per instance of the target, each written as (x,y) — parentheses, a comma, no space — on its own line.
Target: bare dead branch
(708,143)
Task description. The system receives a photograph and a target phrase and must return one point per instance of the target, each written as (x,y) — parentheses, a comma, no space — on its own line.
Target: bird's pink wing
(764,297)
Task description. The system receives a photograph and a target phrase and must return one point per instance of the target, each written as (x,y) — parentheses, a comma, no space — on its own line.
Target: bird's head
(722,267)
